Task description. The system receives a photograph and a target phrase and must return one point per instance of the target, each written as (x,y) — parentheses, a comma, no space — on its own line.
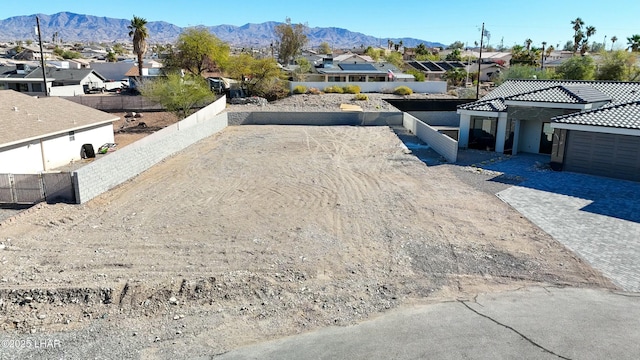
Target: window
(72,135)
(37,87)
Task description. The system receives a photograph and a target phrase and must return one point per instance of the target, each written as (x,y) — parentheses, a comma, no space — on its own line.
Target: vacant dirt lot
(264,231)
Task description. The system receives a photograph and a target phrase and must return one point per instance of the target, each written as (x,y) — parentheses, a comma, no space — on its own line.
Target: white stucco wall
(69,90)
(428,87)
(61,150)
(22,159)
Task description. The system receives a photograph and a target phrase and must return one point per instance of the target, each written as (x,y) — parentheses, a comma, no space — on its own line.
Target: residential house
(60,81)
(585,126)
(40,134)
(356,68)
(32,53)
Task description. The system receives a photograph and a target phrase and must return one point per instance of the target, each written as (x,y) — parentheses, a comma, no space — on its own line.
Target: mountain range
(72,27)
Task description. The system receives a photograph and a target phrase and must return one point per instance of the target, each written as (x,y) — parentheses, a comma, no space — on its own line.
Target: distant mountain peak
(73,27)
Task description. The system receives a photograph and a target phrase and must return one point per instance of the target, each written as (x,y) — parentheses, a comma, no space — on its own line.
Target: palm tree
(578,35)
(590,30)
(613,41)
(634,42)
(139,32)
(527,43)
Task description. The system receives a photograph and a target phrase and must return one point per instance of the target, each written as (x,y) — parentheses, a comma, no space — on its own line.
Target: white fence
(441,143)
(426,87)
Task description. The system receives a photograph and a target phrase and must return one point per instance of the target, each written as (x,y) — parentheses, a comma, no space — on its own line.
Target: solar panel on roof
(431,66)
(357,67)
(445,65)
(457,64)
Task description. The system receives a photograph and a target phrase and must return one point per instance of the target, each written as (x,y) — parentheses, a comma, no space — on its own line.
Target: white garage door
(609,155)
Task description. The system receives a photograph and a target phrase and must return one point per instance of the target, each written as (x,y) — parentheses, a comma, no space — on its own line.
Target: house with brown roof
(40,134)
(585,126)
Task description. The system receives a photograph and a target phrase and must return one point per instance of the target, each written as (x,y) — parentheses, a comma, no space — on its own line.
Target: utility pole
(479,63)
(44,69)
(544,43)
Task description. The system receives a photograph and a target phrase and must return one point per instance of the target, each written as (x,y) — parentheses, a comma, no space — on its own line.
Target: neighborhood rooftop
(24,117)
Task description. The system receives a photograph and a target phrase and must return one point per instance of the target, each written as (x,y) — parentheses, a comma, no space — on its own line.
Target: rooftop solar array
(357,67)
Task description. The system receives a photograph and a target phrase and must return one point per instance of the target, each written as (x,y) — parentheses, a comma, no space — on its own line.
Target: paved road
(598,218)
(535,323)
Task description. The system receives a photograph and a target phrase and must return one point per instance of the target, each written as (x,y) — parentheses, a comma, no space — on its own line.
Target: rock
(173,300)
(177,317)
(42,316)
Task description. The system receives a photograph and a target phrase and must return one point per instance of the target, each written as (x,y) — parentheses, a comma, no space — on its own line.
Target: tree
(577,33)
(373,53)
(395,58)
(118,49)
(454,55)
(613,41)
(456,76)
(259,77)
(456,45)
(616,65)
(634,42)
(577,68)
(197,50)
(304,67)
(522,72)
(138,30)
(178,94)
(584,46)
(291,39)
(568,46)
(421,49)
(527,44)
(111,57)
(324,48)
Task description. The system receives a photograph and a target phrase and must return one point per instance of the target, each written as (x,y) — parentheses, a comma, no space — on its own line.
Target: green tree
(521,71)
(118,49)
(418,75)
(303,69)
(421,49)
(259,77)
(395,58)
(577,68)
(456,76)
(197,50)
(324,48)
(613,41)
(138,31)
(578,35)
(111,57)
(178,94)
(454,55)
(456,45)
(291,40)
(29,42)
(634,42)
(616,65)
(373,53)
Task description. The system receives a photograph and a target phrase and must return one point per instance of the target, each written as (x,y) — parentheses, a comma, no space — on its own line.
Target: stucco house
(40,134)
(585,126)
(60,81)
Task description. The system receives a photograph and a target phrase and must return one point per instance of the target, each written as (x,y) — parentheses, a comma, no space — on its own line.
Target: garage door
(609,155)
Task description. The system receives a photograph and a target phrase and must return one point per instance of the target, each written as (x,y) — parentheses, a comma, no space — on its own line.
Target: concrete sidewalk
(535,323)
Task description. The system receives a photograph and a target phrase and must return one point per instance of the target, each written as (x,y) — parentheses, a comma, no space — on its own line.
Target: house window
(37,87)
(482,135)
(72,135)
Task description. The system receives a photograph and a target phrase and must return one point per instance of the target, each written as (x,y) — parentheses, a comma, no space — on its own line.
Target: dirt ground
(266,231)
(128,130)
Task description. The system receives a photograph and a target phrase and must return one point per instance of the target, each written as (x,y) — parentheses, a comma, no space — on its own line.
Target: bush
(314,91)
(300,89)
(362,97)
(351,89)
(272,90)
(403,90)
(334,89)
(420,76)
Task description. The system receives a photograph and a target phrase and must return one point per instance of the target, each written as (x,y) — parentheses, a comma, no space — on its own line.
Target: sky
(510,22)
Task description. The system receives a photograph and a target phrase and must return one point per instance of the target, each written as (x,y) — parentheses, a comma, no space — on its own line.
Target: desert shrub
(314,91)
(351,89)
(362,97)
(300,89)
(334,89)
(272,90)
(403,90)
(416,74)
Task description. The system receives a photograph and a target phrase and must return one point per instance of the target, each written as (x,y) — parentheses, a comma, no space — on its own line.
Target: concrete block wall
(316,118)
(128,162)
(441,143)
